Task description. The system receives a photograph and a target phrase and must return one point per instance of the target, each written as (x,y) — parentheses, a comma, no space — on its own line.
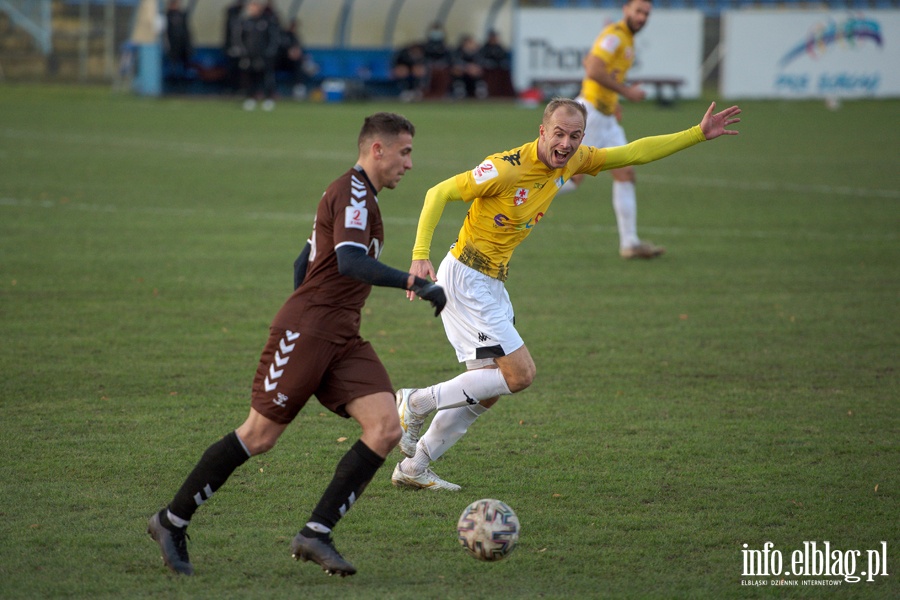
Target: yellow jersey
(511,191)
(615,47)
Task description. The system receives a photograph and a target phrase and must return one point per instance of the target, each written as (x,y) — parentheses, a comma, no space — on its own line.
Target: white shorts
(601,131)
(479,317)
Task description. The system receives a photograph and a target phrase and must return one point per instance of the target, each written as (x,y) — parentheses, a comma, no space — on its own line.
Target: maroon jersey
(327,304)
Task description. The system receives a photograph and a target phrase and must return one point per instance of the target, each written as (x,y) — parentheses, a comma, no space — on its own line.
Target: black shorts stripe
(489,352)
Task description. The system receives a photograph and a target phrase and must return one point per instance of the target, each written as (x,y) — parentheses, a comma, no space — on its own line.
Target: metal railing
(34,17)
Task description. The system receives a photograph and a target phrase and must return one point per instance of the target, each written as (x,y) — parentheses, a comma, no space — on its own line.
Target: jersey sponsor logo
(513,159)
(560,182)
(356,216)
(281,400)
(521,197)
(501,220)
(484,172)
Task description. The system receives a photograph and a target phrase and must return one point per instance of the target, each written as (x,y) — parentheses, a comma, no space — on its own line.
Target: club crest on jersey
(521,196)
(610,43)
(356,216)
(484,172)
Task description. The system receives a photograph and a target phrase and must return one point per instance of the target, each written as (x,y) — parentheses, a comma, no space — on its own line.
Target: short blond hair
(564,103)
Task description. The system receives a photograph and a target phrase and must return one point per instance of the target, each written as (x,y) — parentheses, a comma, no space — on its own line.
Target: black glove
(430,291)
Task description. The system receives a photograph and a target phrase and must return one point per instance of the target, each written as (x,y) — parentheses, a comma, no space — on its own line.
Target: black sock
(354,472)
(214,468)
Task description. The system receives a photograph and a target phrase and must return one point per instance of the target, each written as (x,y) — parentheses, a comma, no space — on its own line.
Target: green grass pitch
(742,389)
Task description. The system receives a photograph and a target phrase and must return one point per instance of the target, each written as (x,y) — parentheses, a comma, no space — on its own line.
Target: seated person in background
(497,64)
(436,52)
(467,70)
(493,54)
(437,59)
(410,71)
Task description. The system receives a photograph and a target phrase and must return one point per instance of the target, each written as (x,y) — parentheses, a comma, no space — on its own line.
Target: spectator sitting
(410,71)
(493,54)
(467,70)
(438,59)
(495,59)
(436,52)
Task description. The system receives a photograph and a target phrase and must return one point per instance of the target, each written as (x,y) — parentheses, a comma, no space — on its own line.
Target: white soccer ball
(488,529)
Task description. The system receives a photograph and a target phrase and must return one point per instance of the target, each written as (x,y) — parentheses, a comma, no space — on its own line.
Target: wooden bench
(661,85)
(667,90)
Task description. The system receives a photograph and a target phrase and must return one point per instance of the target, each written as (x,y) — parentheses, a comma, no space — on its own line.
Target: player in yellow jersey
(509,193)
(605,69)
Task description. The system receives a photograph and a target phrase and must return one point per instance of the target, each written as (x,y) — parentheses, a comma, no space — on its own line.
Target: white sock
(176,520)
(417,463)
(569,186)
(625,204)
(447,427)
(318,527)
(463,390)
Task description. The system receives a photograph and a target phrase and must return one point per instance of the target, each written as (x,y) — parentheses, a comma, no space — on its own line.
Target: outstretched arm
(652,148)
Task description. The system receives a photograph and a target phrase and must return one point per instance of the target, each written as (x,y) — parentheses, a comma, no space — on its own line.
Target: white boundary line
(302,217)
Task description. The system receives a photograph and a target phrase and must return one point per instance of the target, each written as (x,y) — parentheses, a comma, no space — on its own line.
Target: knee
(256,441)
(383,436)
(391,434)
(386,430)
(259,445)
(520,378)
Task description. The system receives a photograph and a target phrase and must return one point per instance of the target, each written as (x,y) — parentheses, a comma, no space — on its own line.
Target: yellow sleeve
(652,148)
(435,200)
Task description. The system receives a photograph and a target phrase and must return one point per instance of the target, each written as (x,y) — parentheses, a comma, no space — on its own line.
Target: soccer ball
(488,529)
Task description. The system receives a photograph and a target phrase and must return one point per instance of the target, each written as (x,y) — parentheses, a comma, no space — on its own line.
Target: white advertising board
(549,44)
(810,54)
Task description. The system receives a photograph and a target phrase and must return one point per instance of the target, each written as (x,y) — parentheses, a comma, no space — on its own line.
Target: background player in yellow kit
(605,68)
(510,192)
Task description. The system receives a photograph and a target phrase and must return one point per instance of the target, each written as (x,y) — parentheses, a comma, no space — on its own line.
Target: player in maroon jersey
(314,348)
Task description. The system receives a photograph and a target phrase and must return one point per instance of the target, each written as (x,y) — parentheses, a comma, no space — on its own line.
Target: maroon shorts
(294,367)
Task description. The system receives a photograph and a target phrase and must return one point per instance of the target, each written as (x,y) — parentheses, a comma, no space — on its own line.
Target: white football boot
(410,421)
(428,480)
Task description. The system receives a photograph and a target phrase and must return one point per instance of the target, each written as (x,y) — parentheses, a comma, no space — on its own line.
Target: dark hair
(385,124)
